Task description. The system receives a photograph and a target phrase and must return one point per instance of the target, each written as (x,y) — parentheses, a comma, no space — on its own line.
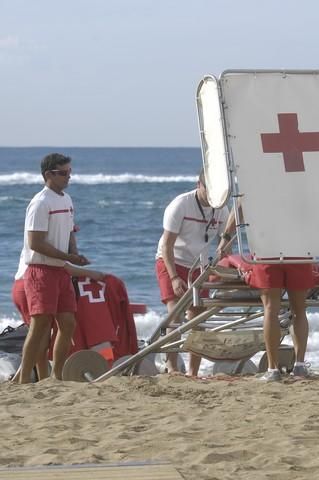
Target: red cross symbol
(94,288)
(290,142)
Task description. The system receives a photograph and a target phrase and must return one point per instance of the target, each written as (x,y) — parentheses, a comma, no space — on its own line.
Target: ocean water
(119,196)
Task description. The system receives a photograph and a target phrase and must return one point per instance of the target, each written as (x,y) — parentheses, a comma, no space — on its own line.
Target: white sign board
(272,123)
(213,140)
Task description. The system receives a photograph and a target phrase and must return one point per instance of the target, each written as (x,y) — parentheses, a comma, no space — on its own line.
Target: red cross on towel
(290,142)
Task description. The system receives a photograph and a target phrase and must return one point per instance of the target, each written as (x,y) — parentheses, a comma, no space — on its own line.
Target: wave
(8,199)
(27,178)
(109,203)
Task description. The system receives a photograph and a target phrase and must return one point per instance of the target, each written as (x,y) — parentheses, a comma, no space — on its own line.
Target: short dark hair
(52,161)
(201,177)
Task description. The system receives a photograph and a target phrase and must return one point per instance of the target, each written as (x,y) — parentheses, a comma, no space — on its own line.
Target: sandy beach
(222,428)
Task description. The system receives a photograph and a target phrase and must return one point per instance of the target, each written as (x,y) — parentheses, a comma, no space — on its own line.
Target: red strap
(138,308)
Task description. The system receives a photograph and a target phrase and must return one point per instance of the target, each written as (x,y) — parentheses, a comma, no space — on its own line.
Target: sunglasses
(62,173)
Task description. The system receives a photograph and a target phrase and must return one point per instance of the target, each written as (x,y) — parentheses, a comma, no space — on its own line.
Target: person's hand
(84,260)
(179,286)
(97,276)
(222,249)
(79,260)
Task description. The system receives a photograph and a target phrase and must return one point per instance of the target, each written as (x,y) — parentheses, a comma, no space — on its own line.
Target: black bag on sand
(12,339)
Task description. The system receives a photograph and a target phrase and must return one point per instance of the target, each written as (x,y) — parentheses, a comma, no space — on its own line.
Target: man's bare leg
(171,357)
(42,364)
(297,300)
(194,360)
(62,344)
(271,300)
(38,333)
(194,364)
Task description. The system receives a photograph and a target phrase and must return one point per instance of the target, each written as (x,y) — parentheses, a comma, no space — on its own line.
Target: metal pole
(184,302)
(160,342)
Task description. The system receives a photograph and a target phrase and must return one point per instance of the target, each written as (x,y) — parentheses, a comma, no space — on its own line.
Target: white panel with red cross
(272,125)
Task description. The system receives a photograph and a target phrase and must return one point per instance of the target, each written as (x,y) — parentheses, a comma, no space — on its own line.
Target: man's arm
(72,244)
(37,242)
(84,272)
(229,231)
(168,242)
(73,249)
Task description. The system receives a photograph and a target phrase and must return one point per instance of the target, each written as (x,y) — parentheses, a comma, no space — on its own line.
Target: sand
(226,428)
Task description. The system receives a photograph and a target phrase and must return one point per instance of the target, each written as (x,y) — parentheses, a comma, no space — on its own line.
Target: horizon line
(92,146)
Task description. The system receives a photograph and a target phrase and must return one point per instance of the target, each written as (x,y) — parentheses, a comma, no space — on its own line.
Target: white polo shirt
(51,213)
(183,216)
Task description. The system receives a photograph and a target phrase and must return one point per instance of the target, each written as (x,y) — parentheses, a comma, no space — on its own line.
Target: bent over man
(190,224)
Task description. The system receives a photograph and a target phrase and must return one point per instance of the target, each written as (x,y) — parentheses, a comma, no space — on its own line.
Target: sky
(124,72)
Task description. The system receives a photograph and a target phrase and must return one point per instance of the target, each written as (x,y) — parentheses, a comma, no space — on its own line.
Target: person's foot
(176,373)
(300,371)
(274,376)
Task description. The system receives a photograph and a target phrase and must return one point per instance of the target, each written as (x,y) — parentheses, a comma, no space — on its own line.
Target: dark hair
(53,160)
(201,177)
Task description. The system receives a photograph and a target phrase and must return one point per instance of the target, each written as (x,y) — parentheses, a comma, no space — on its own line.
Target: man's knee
(40,323)
(66,322)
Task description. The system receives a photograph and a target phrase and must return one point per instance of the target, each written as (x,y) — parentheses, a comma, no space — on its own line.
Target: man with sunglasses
(49,242)
(190,225)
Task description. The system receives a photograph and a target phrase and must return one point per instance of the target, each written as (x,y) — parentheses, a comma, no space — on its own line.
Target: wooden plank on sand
(137,471)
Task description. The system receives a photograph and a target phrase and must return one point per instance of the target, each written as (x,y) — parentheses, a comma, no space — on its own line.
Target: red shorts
(165,283)
(49,290)
(292,276)
(20,300)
